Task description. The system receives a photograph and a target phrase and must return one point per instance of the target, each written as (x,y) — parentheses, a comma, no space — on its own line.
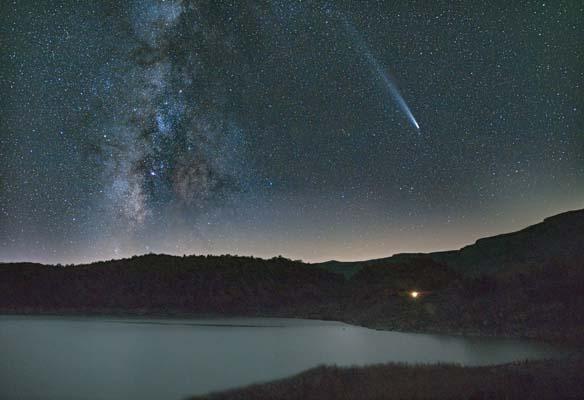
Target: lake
(132,358)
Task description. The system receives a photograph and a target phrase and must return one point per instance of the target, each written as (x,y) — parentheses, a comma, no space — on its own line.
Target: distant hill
(556,240)
(350,268)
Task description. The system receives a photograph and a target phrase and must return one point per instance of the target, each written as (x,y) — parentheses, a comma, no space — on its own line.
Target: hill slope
(169,284)
(555,240)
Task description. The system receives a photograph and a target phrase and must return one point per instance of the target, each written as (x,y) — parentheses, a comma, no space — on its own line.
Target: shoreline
(378,326)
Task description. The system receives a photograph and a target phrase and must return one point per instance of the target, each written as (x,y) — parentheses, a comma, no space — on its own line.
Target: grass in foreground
(524,380)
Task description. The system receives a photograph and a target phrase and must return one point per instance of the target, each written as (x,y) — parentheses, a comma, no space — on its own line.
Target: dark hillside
(556,240)
(160,283)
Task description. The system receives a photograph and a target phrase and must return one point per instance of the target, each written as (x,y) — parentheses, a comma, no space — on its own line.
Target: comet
(380,71)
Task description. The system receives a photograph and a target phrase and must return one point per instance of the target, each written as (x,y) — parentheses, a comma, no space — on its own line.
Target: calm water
(101,358)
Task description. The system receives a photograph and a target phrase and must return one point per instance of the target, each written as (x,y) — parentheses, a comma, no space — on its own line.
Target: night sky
(282,127)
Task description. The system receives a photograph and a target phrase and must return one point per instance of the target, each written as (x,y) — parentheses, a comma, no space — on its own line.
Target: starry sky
(281,127)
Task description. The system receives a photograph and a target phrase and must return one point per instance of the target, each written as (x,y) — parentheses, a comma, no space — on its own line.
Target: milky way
(271,127)
(171,153)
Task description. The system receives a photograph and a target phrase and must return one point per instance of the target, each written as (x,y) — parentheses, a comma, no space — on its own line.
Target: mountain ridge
(486,254)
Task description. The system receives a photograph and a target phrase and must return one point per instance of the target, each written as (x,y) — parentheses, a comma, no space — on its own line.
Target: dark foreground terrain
(527,380)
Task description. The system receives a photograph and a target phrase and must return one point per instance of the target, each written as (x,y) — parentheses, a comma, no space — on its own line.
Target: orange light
(414,294)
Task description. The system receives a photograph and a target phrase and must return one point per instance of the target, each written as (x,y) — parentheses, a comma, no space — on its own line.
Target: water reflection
(105,358)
